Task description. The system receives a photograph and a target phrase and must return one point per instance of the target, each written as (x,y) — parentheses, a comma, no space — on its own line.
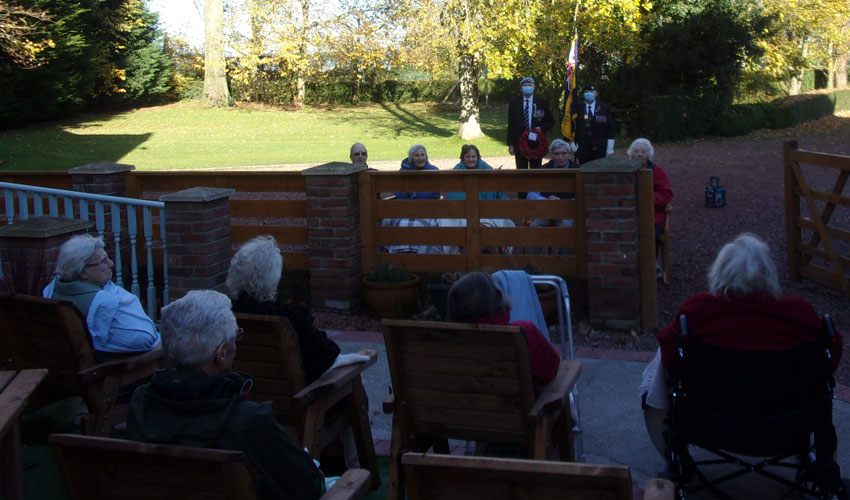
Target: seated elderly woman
(641,149)
(417,160)
(470,159)
(743,310)
(475,298)
(201,402)
(252,282)
(115,317)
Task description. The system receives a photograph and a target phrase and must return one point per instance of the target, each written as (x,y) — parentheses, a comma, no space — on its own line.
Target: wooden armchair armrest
(554,397)
(143,364)
(353,484)
(334,379)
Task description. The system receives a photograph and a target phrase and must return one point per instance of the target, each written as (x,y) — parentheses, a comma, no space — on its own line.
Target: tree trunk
(840,76)
(355,93)
(470,127)
(830,67)
(216,93)
(796,86)
(300,81)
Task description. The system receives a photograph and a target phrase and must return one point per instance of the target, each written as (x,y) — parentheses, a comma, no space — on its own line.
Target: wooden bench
(105,468)
(47,333)
(444,477)
(320,411)
(471,382)
(15,390)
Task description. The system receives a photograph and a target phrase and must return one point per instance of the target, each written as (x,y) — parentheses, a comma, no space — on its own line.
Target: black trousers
(523,163)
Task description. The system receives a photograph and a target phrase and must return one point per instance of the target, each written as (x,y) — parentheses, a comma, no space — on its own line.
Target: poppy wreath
(533,153)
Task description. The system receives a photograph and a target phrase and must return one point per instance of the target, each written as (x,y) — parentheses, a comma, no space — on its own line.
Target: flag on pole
(568,123)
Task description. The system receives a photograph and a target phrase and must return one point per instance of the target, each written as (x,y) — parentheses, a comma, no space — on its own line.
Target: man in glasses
(358,154)
(202,401)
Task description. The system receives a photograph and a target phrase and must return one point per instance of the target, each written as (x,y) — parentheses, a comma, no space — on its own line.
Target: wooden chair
(105,468)
(471,382)
(320,411)
(444,477)
(46,333)
(664,246)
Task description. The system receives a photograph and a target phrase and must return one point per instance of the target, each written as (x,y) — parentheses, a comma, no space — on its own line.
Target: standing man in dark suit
(594,128)
(527,112)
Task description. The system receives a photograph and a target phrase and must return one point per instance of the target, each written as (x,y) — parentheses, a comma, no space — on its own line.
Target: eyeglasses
(104,261)
(239,334)
(359,153)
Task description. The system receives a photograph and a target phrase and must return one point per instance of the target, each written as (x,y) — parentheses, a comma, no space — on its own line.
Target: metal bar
(77,194)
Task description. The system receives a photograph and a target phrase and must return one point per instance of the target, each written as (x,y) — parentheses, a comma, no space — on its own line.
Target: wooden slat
(818,253)
(558,264)
(13,399)
(838,162)
(454,236)
(55,180)
(834,232)
(425,364)
(285,235)
(646,253)
(558,237)
(476,385)
(410,209)
(424,263)
(241,181)
(821,276)
(460,400)
(296,209)
(452,418)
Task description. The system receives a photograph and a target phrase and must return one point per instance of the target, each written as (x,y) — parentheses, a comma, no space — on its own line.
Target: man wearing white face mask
(527,112)
(594,127)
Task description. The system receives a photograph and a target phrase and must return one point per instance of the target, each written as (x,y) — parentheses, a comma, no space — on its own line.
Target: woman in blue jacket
(417,160)
(470,159)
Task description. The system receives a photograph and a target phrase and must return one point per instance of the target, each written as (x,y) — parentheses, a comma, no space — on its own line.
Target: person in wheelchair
(743,318)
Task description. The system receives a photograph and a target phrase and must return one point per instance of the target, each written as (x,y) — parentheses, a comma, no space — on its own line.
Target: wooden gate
(818,235)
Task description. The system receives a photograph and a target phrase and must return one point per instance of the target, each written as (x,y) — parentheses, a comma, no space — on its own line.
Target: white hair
(193,327)
(255,269)
(412,151)
(642,140)
(744,267)
(74,254)
(571,147)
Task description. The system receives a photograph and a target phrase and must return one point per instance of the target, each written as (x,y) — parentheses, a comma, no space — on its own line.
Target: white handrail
(113,207)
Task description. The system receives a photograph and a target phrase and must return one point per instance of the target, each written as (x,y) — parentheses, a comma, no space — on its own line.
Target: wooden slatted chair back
(459,380)
(45,333)
(103,468)
(444,477)
(269,352)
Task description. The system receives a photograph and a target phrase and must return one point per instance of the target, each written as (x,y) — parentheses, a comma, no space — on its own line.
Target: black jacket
(592,133)
(191,408)
(541,118)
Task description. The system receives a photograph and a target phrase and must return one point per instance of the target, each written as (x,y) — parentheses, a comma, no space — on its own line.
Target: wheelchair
(762,411)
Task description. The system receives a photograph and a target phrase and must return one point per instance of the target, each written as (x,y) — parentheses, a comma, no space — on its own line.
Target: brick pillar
(29,249)
(197,236)
(613,273)
(333,233)
(101,178)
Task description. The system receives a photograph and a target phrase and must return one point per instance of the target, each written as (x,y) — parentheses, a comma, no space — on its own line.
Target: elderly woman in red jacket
(662,193)
(742,310)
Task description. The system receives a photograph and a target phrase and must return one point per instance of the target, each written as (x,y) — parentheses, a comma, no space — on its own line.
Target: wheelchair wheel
(822,478)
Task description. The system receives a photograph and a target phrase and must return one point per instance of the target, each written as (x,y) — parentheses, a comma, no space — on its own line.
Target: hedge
(785,112)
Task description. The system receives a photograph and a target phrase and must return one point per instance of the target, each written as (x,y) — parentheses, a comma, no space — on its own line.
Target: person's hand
(511,150)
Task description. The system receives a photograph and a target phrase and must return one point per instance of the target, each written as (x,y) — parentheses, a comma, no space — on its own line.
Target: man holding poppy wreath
(529,119)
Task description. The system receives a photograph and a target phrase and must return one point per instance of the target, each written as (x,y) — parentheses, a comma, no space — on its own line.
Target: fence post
(333,234)
(197,236)
(613,244)
(792,210)
(29,249)
(101,178)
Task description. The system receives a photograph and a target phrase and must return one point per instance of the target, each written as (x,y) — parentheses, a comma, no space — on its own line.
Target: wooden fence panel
(824,258)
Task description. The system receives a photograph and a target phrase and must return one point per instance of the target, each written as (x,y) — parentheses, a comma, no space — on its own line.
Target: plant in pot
(390,291)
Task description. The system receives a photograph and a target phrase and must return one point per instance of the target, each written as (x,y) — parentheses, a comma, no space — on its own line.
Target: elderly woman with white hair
(417,160)
(641,149)
(116,320)
(742,310)
(202,401)
(252,282)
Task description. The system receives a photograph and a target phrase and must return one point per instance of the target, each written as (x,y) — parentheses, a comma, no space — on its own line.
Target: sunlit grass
(186,135)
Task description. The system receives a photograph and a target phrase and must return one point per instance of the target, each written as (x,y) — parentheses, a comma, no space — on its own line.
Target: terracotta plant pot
(391,300)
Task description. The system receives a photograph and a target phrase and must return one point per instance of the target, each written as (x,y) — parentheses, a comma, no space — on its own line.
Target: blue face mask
(589,97)
(527,91)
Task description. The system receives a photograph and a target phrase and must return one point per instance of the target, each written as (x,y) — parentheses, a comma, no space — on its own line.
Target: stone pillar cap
(102,167)
(335,168)
(197,194)
(43,227)
(612,164)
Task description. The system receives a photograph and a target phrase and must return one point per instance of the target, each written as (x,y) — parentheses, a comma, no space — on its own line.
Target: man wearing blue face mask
(594,127)
(527,112)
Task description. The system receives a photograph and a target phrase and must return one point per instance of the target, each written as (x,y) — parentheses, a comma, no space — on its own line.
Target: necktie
(525,114)
(590,110)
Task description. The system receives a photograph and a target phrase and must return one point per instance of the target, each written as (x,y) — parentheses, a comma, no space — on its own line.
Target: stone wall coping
(44,227)
(197,194)
(335,168)
(612,165)
(102,167)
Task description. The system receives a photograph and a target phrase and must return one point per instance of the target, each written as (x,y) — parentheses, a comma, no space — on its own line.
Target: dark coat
(592,133)
(541,118)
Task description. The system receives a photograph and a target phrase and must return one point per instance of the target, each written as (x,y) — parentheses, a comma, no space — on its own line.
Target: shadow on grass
(412,122)
(52,148)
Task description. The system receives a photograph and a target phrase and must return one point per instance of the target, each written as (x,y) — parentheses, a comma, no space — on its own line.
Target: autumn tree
(22,31)
(216,92)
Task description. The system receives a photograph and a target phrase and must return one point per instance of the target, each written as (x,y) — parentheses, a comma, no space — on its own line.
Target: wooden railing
(821,254)
(473,240)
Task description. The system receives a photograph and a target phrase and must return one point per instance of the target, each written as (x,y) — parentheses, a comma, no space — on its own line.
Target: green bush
(741,119)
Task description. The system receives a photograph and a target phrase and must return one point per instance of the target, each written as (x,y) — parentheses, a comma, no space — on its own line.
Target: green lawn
(186,135)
